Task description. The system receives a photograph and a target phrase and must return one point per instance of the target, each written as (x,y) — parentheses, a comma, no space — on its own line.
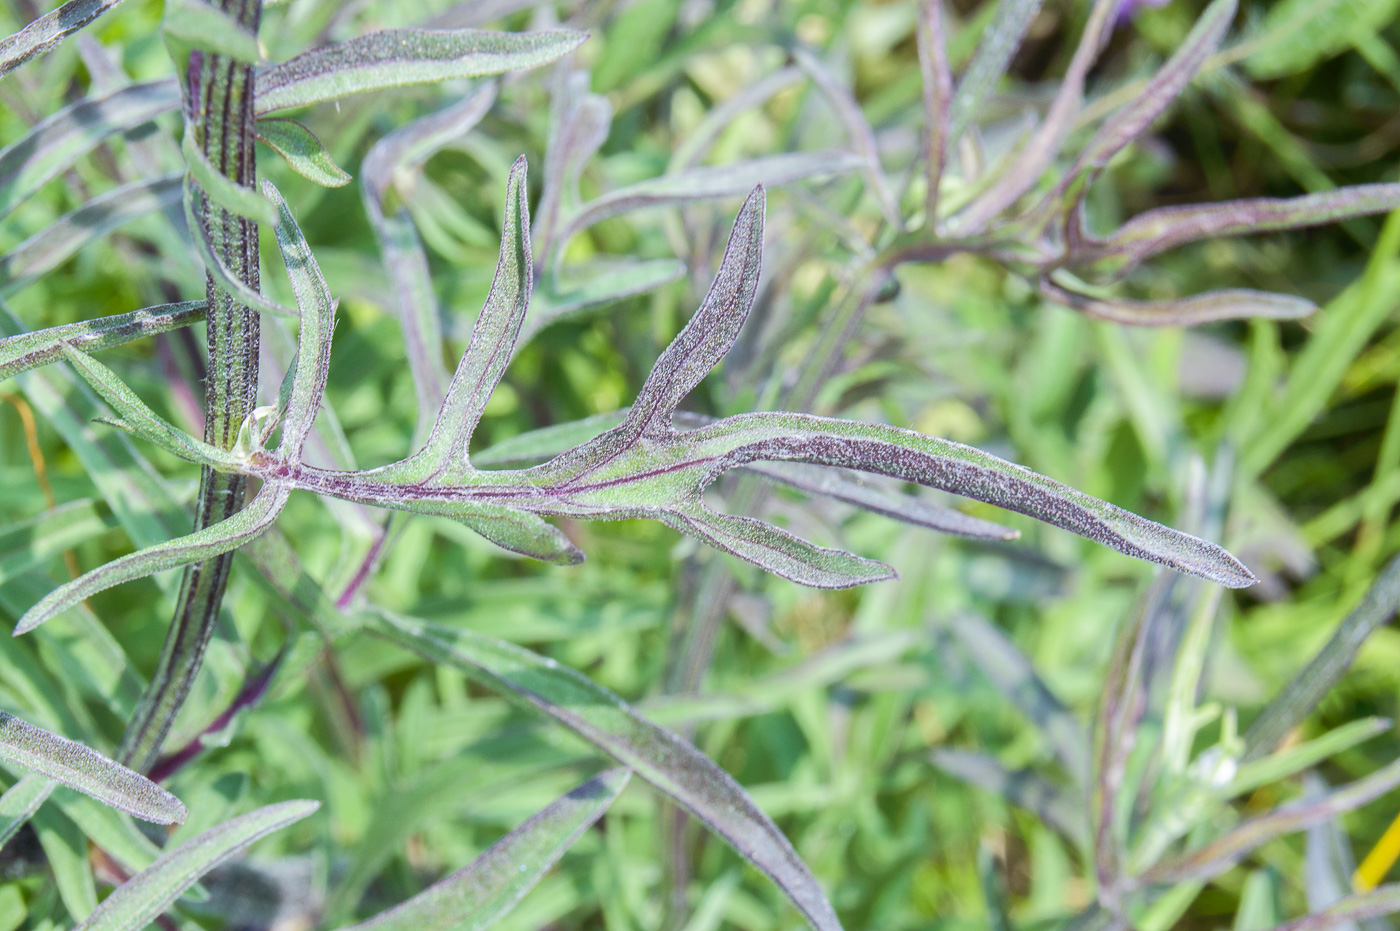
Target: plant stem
(221,114)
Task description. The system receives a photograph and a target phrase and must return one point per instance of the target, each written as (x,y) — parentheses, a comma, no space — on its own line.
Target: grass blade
(73,764)
(474,897)
(660,757)
(146,896)
(400,57)
(1298,699)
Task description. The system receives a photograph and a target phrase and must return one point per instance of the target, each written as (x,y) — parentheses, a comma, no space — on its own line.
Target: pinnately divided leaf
(645,467)
(73,764)
(657,755)
(399,57)
(145,897)
(474,897)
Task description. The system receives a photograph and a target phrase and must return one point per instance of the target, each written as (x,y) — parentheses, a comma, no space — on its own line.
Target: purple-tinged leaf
(1219,855)
(223,276)
(858,128)
(509,528)
(1049,136)
(402,151)
(49,30)
(777,551)
(1210,307)
(75,765)
(989,63)
(60,140)
(710,183)
(197,24)
(55,244)
(28,350)
(474,897)
(1169,227)
(145,897)
(214,540)
(1364,906)
(307,376)
(852,488)
(302,151)
(659,756)
(1014,676)
(1298,699)
(1166,85)
(937,85)
(1022,788)
(139,419)
(492,342)
(579,123)
(401,57)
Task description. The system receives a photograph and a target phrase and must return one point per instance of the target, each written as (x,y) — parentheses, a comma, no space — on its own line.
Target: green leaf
(25,351)
(660,757)
(49,30)
(214,540)
(210,29)
(146,896)
(400,57)
(222,190)
(20,801)
(999,43)
(65,849)
(1285,763)
(1297,34)
(195,203)
(37,750)
(137,417)
(302,151)
(1363,907)
(57,142)
(474,897)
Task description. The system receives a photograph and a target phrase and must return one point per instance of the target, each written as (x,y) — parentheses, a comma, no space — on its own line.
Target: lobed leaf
(302,151)
(989,63)
(44,33)
(307,376)
(146,896)
(1030,163)
(19,802)
(401,57)
(58,141)
(138,418)
(659,756)
(55,244)
(404,258)
(25,351)
(1166,85)
(1219,855)
(474,897)
(71,763)
(1169,227)
(223,537)
(1210,307)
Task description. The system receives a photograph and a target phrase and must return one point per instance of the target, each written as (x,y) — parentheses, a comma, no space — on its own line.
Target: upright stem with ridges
(220,104)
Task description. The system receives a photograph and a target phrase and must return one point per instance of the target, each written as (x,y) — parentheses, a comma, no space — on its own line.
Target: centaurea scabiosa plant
(651,460)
